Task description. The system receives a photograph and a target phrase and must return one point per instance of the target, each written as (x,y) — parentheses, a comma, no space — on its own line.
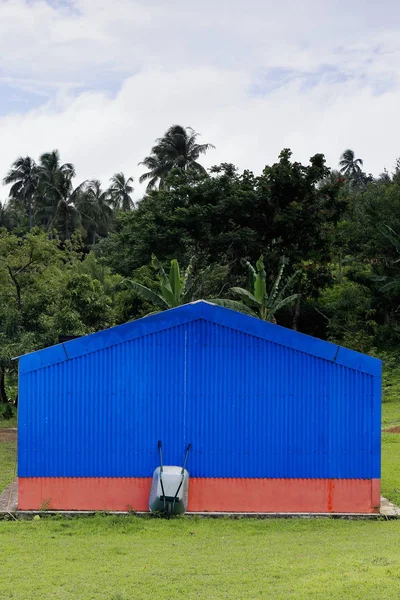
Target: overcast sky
(101,79)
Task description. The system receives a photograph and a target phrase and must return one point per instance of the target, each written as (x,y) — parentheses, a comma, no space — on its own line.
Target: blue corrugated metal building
(278,421)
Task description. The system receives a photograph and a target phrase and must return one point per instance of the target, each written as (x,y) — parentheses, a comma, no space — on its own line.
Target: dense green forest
(307,246)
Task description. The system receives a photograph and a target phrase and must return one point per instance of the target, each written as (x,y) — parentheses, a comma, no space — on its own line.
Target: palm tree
(94,207)
(259,302)
(350,166)
(177,149)
(174,289)
(66,218)
(53,172)
(54,191)
(24,178)
(120,191)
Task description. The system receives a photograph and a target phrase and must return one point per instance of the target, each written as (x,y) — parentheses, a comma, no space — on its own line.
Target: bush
(7,413)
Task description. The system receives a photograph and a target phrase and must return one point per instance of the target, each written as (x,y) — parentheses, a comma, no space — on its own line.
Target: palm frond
(198,168)
(158,267)
(245,295)
(287,286)
(167,292)
(260,282)
(175,281)
(188,279)
(147,176)
(147,294)
(168,295)
(234,305)
(203,148)
(285,302)
(275,286)
(249,266)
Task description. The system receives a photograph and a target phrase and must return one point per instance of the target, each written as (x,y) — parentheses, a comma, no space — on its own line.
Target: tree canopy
(302,244)
(177,149)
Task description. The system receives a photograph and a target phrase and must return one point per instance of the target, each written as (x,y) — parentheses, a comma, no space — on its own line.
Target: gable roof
(192,312)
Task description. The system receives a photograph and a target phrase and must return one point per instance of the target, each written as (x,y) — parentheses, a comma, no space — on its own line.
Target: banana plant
(174,289)
(259,302)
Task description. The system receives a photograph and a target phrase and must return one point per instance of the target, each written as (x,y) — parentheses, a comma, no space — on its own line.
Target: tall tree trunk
(17,287)
(30,216)
(3,393)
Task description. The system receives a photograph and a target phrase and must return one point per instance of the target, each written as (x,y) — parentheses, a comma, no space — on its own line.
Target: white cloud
(114,76)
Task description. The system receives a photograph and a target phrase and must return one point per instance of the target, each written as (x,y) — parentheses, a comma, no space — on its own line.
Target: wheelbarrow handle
(160,454)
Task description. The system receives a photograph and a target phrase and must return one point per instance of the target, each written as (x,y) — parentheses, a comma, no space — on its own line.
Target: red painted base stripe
(205,495)
(376,494)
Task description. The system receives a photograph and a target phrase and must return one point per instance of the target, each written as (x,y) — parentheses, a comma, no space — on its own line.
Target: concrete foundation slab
(9,498)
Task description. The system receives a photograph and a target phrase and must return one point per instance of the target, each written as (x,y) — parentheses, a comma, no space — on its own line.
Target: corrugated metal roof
(191,312)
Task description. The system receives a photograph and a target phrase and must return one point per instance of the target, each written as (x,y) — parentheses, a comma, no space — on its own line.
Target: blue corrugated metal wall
(249,406)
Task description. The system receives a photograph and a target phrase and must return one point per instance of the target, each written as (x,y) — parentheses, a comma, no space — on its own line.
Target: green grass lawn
(391,441)
(7,464)
(391,467)
(130,558)
(7,451)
